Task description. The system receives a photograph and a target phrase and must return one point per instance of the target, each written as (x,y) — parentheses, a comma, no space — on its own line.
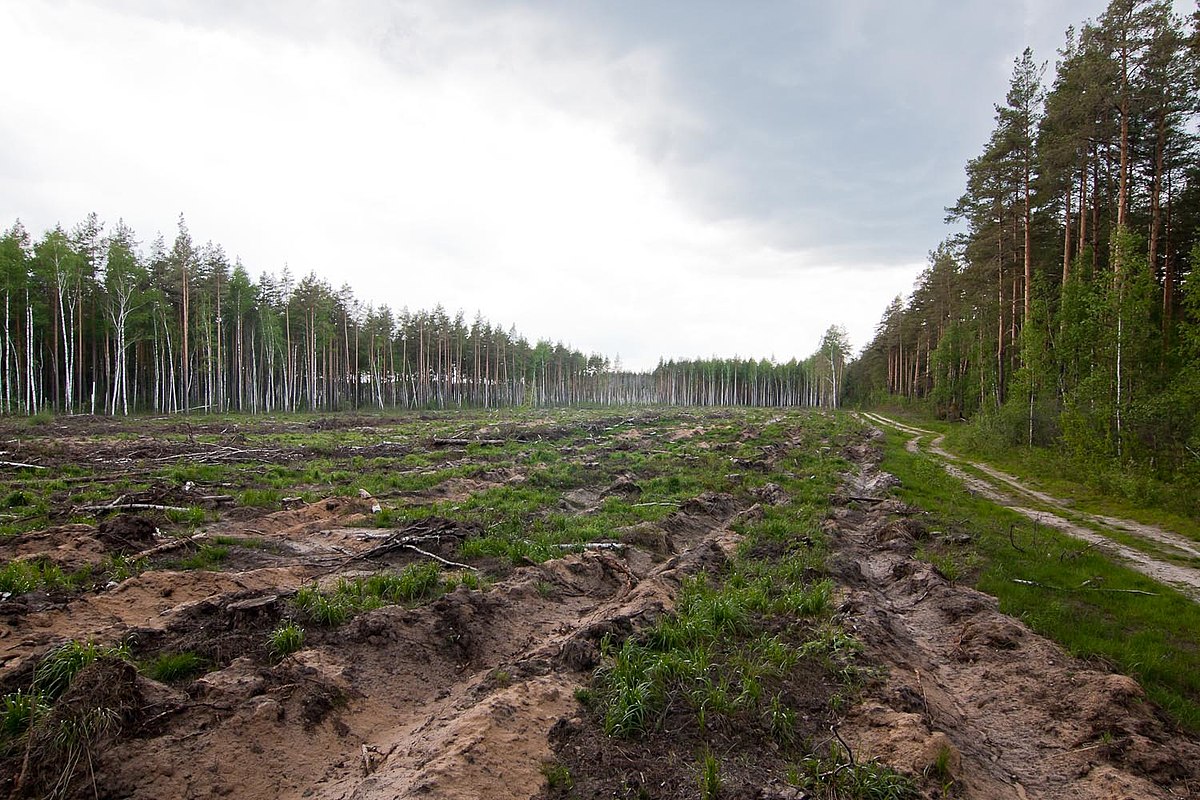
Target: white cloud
(437,154)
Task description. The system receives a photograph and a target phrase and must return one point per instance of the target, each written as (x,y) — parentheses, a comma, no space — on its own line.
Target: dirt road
(1095,529)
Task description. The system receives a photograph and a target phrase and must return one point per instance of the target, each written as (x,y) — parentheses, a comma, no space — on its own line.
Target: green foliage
(414,584)
(867,781)
(286,639)
(558,777)
(56,670)
(709,775)
(176,667)
(262,498)
(21,710)
(208,557)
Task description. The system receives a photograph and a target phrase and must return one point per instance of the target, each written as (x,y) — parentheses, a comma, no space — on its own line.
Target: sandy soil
(1018,716)
(470,695)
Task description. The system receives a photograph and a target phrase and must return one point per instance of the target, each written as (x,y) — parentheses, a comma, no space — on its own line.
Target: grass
(415,583)
(719,654)
(286,639)
(833,777)
(208,557)
(558,777)
(709,777)
(1154,638)
(176,667)
(57,669)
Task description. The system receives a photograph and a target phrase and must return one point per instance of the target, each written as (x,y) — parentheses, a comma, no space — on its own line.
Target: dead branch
(1075,553)
(849,752)
(438,558)
(455,442)
(174,544)
(1082,588)
(643,505)
(129,506)
(21,465)
(592,546)
(867,499)
(1012,540)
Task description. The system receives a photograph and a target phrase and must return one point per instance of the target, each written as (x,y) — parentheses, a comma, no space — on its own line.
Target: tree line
(91,324)
(1067,311)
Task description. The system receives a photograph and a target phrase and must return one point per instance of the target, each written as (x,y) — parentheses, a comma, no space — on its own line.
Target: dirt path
(1007,490)
(1014,715)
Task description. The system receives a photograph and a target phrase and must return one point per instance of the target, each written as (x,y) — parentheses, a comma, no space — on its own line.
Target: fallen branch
(1075,554)
(592,546)
(1012,540)
(643,505)
(166,547)
(21,465)
(438,558)
(128,506)
(1082,588)
(867,499)
(439,442)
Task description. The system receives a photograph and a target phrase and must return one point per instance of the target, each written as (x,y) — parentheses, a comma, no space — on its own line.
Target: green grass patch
(176,667)
(414,584)
(1154,638)
(260,498)
(286,639)
(209,556)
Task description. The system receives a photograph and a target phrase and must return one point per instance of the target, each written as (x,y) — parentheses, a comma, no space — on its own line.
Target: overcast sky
(630,177)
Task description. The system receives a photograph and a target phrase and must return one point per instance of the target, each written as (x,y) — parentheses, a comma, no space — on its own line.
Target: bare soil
(470,695)
(1018,716)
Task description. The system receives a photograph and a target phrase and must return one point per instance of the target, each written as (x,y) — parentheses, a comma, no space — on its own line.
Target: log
(174,544)
(135,506)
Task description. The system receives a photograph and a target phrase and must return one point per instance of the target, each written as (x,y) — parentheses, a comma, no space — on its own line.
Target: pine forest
(92,325)
(1066,309)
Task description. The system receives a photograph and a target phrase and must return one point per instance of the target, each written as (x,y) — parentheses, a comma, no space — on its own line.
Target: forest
(1064,310)
(93,325)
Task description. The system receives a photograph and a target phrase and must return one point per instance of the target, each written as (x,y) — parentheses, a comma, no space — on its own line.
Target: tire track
(1000,487)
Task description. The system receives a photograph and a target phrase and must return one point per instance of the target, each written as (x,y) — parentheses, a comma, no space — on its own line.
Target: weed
(20,711)
(188,516)
(709,777)
(286,639)
(866,781)
(208,557)
(54,673)
(321,608)
(939,769)
(175,667)
(558,777)
(120,567)
(415,583)
(260,498)
(17,499)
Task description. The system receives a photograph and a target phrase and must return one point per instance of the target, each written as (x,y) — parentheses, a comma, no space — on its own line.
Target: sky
(636,179)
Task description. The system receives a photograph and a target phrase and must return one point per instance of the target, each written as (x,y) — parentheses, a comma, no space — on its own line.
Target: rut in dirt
(1010,714)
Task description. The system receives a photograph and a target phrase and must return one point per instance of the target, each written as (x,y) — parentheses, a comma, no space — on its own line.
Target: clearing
(633,603)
